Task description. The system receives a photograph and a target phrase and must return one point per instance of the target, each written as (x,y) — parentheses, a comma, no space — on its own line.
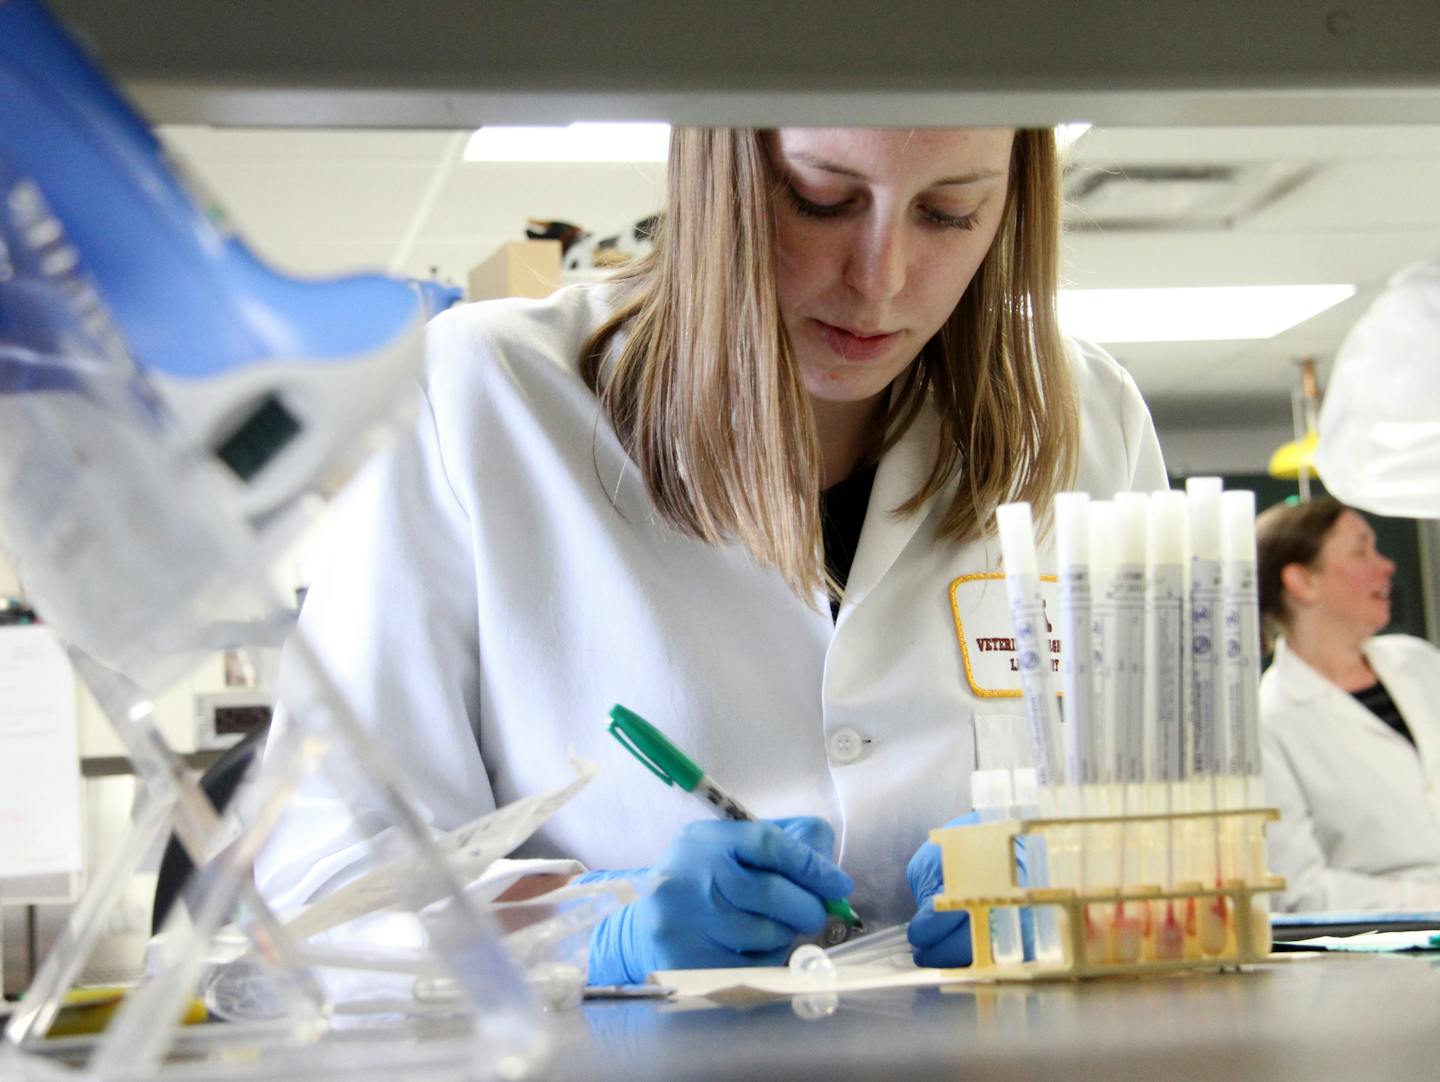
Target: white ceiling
(331,201)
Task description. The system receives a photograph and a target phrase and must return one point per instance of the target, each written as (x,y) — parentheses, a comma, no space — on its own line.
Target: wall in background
(9,585)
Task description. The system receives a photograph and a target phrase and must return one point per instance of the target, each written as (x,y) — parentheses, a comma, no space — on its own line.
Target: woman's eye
(812,209)
(950,221)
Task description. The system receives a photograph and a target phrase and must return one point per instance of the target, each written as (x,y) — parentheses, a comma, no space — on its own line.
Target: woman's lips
(855,347)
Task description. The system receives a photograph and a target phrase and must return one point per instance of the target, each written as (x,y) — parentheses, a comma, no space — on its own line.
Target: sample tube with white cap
(1205,603)
(1072,550)
(1032,645)
(1207,677)
(1240,588)
(1127,591)
(1241,607)
(1082,732)
(1167,527)
(1103,799)
(1032,653)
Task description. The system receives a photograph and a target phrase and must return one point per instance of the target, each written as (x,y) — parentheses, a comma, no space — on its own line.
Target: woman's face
(1350,578)
(879,233)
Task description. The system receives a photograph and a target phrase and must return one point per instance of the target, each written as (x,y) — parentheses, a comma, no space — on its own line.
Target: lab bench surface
(1303,1016)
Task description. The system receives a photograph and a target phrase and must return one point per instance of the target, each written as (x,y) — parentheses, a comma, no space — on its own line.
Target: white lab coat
(501,579)
(1360,815)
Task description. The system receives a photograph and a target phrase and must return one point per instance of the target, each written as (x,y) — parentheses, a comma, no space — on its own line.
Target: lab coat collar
(1391,666)
(885,534)
(1303,684)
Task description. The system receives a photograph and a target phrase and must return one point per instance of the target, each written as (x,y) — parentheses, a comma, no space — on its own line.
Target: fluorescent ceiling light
(571,143)
(1204,314)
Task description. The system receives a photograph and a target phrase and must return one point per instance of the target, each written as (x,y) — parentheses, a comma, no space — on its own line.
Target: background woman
(1350,722)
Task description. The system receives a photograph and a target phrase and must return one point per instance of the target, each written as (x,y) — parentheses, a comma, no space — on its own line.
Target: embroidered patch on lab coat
(986,636)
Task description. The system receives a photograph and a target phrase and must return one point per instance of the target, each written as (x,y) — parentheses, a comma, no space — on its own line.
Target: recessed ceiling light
(1175,196)
(570,143)
(1200,314)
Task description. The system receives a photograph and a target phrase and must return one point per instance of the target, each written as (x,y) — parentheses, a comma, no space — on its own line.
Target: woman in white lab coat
(845,343)
(1349,720)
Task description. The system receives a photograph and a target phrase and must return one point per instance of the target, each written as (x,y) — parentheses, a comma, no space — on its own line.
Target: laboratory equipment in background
(224,718)
(1145,849)
(169,407)
(1379,426)
(243,706)
(1295,461)
(41,852)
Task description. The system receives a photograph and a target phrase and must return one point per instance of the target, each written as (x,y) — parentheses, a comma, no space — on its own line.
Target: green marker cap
(648,744)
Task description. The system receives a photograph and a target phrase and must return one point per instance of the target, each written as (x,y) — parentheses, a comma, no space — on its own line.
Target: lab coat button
(846,745)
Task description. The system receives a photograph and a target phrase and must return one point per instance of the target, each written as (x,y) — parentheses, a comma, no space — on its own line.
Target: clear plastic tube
(1072,545)
(1127,585)
(1208,753)
(1240,589)
(993,794)
(1166,555)
(1032,649)
(875,947)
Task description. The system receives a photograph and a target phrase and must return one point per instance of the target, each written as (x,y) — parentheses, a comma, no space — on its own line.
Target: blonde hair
(706,396)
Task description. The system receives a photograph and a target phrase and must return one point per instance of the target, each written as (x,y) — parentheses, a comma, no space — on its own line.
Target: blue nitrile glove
(734,894)
(942,938)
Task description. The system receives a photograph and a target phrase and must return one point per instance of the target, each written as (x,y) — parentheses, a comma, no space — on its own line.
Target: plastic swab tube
(1032,652)
(1240,589)
(1101,848)
(1032,648)
(1072,547)
(1082,752)
(1127,589)
(1207,682)
(1165,557)
(1241,606)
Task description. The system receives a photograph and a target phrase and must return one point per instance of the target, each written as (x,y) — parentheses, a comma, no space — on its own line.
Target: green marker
(674,767)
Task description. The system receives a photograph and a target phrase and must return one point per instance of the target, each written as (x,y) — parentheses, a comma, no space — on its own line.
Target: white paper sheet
(784,981)
(470,850)
(1376,942)
(39,762)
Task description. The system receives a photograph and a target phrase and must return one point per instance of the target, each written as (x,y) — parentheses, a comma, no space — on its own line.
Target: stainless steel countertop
(1303,1016)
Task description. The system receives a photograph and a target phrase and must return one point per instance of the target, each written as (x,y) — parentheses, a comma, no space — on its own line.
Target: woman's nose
(876,265)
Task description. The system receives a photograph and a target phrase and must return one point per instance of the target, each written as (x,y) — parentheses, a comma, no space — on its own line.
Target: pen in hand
(674,767)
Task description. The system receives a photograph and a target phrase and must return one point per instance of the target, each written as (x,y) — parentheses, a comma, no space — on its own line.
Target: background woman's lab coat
(1360,814)
(501,578)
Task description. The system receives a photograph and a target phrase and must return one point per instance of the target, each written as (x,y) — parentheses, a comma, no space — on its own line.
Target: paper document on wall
(39,762)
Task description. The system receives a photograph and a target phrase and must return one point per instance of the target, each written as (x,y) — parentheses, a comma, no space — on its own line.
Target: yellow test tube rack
(981,875)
